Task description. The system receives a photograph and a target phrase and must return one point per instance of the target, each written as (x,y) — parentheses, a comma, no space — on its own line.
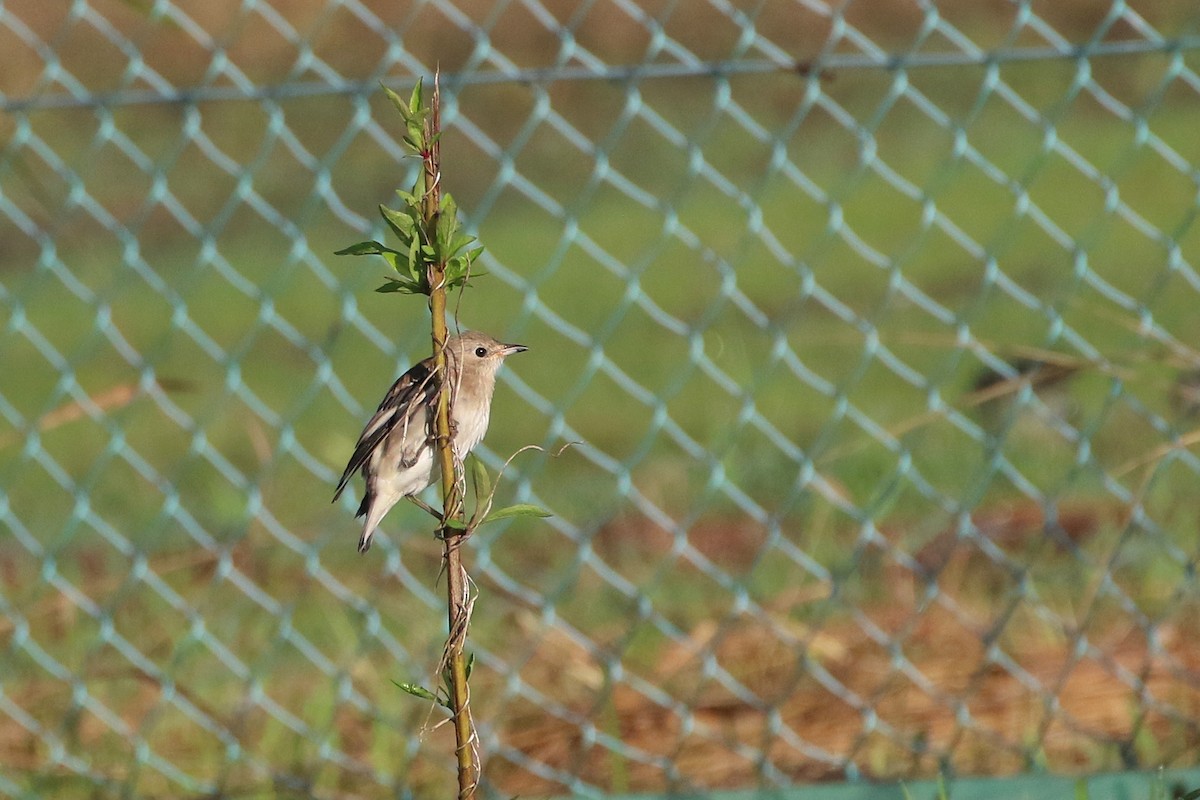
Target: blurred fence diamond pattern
(873,324)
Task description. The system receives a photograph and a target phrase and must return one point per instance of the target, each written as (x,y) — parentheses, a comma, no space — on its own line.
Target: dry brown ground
(1094,707)
(939,700)
(919,689)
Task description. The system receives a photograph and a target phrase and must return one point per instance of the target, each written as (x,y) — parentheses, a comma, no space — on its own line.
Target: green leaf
(400,286)
(424,694)
(461,279)
(462,271)
(470,664)
(457,524)
(518,510)
(415,263)
(447,225)
(457,243)
(364,249)
(414,114)
(459,270)
(455,276)
(417,691)
(401,223)
(414,102)
(482,482)
(415,136)
(396,99)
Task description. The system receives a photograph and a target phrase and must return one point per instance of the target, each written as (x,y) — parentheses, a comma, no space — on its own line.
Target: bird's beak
(509,349)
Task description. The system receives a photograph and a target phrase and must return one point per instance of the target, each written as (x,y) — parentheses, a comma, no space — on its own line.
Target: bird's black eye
(481,351)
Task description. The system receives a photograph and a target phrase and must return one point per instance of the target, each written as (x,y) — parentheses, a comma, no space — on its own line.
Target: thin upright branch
(457,580)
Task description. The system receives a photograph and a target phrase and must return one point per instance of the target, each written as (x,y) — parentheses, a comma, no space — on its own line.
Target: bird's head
(479,355)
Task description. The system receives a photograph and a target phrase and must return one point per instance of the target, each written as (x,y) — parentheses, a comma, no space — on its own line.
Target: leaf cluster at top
(421,244)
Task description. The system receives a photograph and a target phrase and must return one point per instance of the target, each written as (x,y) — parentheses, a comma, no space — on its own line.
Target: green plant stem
(456,588)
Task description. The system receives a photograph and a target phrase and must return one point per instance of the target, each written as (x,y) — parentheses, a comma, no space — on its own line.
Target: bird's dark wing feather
(414,388)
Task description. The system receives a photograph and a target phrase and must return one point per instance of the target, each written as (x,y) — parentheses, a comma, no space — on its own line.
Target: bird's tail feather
(375,505)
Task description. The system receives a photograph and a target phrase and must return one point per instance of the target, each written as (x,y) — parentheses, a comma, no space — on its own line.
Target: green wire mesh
(873,326)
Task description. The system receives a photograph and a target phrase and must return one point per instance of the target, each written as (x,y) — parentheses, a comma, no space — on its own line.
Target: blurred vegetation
(195,248)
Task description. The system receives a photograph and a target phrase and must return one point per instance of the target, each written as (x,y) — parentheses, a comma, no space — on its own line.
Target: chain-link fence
(875,323)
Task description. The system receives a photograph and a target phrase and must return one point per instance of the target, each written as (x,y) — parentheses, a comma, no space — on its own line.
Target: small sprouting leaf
(411,110)
(518,510)
(415,136)
(482,481)
(396,99)
(470,664)
(364,249)
(457,524)
(417,691)
(414,101)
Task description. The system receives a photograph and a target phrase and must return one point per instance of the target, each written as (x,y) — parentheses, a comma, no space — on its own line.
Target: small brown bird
(396,450)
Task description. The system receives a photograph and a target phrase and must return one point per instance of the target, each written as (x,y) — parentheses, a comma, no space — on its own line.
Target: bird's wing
(412,390)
